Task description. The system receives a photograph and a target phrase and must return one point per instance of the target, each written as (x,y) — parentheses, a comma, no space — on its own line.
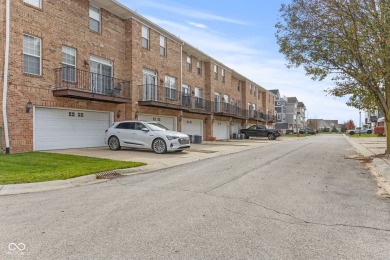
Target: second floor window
(239,86)
(36,3)
(31,55)
(223,75)
(94,18)
(68,64)
(145,37)
(189,62)
(163,46)
(215,72)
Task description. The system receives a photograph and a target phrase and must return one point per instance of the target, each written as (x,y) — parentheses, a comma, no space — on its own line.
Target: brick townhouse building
(76,66)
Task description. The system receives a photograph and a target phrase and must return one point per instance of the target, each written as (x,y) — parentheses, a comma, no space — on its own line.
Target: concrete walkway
(374,147)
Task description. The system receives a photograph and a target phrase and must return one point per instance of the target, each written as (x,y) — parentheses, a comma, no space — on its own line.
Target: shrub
(326,130)
(379,130)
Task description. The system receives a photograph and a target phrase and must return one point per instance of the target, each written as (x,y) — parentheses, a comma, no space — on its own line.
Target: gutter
(5,75)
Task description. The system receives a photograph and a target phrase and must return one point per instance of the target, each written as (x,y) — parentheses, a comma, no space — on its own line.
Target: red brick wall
(57,23)
(66,22)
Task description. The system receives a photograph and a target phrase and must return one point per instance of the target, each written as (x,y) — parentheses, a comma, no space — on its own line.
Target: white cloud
(188,12)
(198,25)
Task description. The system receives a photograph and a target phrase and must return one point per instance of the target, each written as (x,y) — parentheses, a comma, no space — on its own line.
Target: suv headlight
(171,137)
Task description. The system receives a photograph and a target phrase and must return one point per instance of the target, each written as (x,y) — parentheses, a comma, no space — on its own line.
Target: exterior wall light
(118,114)
(28,106)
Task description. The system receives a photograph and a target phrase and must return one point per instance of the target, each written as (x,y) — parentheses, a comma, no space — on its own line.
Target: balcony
(164,97)
(226,109)
(80,84)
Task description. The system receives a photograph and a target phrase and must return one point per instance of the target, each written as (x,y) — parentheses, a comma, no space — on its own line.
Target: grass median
(41,166)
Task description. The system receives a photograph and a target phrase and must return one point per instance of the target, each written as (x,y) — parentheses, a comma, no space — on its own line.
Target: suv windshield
(158,125)
(155,127)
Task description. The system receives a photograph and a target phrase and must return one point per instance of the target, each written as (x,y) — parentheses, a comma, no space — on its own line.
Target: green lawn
(295,135)
(40,166)
(362,135)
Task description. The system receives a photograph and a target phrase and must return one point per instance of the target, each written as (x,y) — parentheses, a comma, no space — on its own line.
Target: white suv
(138,134)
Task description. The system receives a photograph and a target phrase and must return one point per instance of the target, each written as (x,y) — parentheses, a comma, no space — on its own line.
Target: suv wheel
(113,143)
(159,146)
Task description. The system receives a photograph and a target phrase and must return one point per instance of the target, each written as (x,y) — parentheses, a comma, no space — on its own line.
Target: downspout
(181,83)
(5,73)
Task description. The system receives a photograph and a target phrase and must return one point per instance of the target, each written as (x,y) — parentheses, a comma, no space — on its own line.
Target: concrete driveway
(160,161)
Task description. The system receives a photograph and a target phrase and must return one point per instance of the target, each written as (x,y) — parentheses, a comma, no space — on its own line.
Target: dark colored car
(261,131)
(308,131)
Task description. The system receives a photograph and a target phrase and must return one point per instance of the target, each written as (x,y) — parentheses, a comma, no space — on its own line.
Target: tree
(348,39)
(349,125)
(312,123)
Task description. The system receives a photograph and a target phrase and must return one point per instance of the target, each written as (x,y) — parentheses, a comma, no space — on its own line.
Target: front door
(217,102)
(101,75)
(185,95)
(140,138)
(149,87)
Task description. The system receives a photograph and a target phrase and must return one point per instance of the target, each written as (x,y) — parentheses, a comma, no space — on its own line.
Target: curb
(379,167)
(13,189)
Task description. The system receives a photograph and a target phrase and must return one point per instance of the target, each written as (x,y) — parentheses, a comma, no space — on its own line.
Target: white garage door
(221,130)
(192,127)
(66,128)
(167,121)
(236,128)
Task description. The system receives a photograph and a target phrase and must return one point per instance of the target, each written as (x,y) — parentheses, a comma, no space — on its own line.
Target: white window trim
(31,2)
(163,44)
(92,16)
(147,36)
(40,56)
(70,65)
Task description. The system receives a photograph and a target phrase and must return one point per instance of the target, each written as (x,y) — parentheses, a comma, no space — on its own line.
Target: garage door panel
(221,130)
(66,128)
(192,127)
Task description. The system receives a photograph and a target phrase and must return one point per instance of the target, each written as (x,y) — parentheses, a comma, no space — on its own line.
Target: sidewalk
(374,147)
(154,162)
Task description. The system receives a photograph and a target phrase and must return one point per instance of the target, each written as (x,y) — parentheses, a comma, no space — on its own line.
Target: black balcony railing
(161,96)
(84,84)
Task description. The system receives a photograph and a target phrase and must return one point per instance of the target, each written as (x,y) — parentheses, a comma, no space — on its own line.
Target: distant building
(280,109)
(295,114)
(321,124)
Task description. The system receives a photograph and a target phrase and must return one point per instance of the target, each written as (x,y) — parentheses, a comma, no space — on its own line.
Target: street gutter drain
(107,175)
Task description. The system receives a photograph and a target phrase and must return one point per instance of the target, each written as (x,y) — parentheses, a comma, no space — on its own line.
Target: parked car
(261,131)
(308,131)
(359,130)
(144,135)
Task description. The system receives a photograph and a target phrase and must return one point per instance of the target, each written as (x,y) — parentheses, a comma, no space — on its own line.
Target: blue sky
(242,36)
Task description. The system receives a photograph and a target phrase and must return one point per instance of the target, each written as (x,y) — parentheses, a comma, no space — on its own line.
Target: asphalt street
(292,200)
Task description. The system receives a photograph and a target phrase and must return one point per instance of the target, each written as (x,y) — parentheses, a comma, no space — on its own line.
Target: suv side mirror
(145,130)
